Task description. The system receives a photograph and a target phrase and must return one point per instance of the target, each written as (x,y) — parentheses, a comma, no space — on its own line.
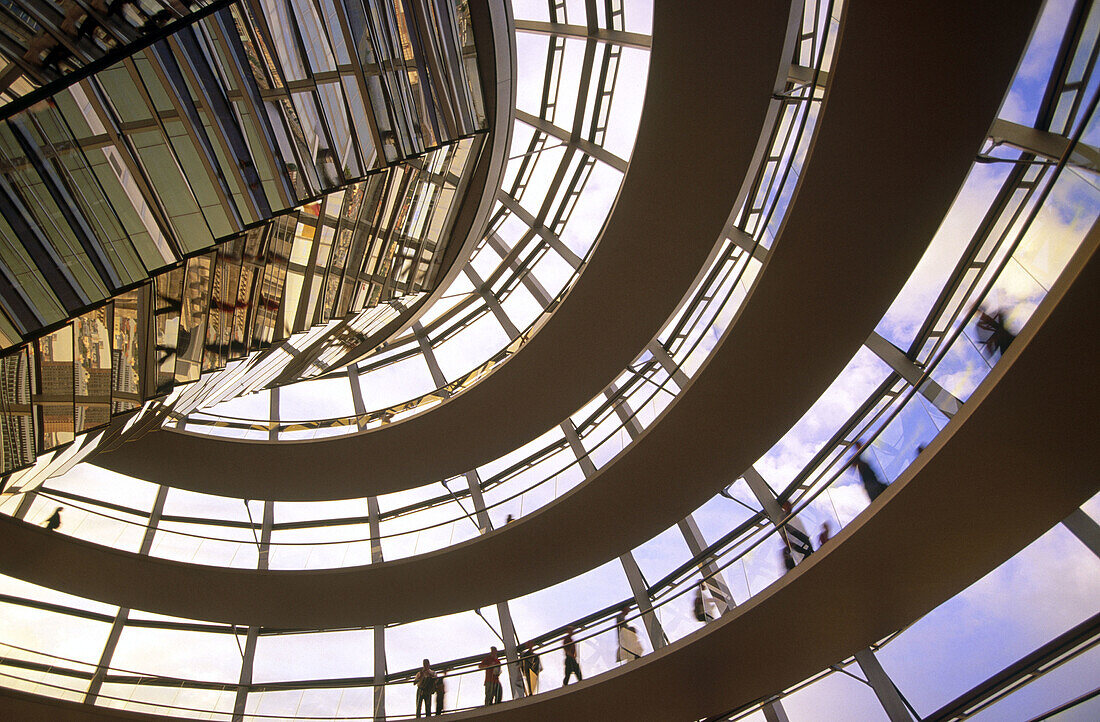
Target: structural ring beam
(806,300)
(884,569)
(1013,463)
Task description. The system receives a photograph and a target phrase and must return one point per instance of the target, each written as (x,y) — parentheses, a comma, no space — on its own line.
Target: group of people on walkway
(797,545)
(430,684)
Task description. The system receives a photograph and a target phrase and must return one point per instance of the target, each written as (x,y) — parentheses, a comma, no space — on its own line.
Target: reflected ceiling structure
(789,420)
(263,131)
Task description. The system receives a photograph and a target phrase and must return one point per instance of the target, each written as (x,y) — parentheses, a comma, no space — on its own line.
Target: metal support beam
(643,600)
(527,279)
(273,414)
(264,553)
(245,680)
(1085,529)
(374,523)
(154,520)
(715,582)
(248,655)
(357,396)
(887,693)
(373,520)
(585,146)
(511,653)
(747,243)
(481,513)
(570,431)
(494,305)
(1045,144)
(763,494)
(616,37)
(624,412)
(25,504)
(104,665)
(380,673)
(429,356)
(916,376)
(123,614)
(774,712)
(630,566)
(801,75)
(667,363)
(548,235)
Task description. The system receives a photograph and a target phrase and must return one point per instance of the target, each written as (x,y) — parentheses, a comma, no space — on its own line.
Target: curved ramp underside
(713,69)
(1014,462)
(830,279)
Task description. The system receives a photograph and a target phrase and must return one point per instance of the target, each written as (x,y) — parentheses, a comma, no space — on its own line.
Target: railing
(895,419)
(605,427)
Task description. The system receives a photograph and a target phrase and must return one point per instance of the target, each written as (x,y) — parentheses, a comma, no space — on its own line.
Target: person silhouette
(572,666)
(993,334)
(795,534)
(425,681)
(491,664)
(440,693)
(788,558)
(531,666)
(872,483)
(54,522)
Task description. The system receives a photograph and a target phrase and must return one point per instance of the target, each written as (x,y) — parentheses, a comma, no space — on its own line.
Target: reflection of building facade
(16,425)
(192,139)
(258,174)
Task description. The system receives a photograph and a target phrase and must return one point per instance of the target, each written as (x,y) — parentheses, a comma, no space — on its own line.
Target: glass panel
(183,654)
(319,655)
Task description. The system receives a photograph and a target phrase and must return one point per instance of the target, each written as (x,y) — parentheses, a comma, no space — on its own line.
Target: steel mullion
(122,617)
(219,108)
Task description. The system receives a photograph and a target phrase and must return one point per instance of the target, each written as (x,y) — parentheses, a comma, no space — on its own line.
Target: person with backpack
(425,686)
(530,666)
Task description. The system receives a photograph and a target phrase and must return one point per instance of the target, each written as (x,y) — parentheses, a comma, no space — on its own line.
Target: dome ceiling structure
(773,381)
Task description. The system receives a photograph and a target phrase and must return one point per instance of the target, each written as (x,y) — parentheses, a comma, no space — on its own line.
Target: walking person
(872,484)
(706,606)
(993,334)
(491,664)
(572,666)
(630,647)
(795,534)
(530,666)
(788,558)
(54,522)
